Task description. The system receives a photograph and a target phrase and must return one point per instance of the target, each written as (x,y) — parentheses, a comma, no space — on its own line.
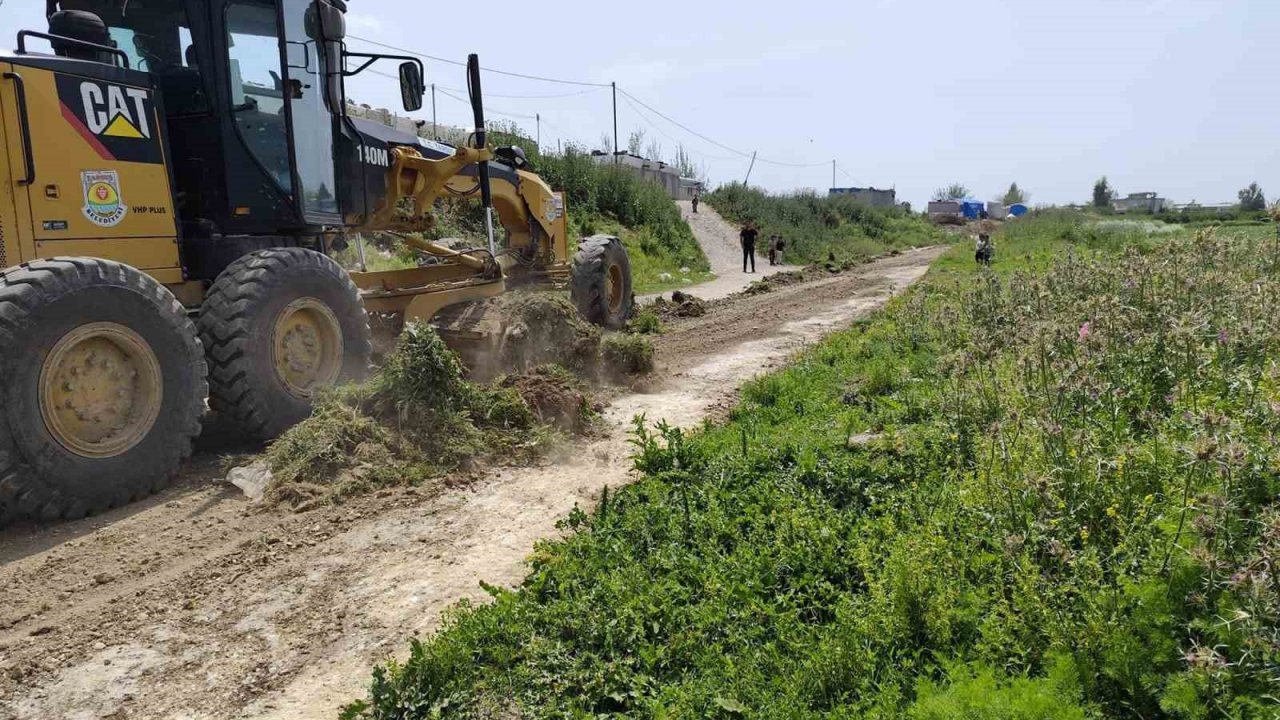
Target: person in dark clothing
(748,235)
(694,201)
(985,250)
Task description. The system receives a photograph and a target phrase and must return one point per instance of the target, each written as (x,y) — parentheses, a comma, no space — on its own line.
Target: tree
(1251,198)
(635,142)
(686,166)
(1015,195)
(653,150)
(606,142)
(954,191)
(1103,194)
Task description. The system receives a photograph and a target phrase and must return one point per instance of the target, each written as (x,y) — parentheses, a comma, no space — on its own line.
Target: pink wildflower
(1085,329)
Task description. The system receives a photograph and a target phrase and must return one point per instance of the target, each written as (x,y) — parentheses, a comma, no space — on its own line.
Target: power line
(487,108)
(565,134)
(528,97)
(666,135)
(682,126)
(492,70)
(690,130)
(631,100)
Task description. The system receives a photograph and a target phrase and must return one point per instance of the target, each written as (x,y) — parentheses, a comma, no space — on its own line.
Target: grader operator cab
(173,177)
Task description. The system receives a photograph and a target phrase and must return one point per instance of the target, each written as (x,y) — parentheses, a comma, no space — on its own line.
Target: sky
(1173,96)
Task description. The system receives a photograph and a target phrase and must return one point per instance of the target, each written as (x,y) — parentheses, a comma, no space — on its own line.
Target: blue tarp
(972,209)
(1017,209)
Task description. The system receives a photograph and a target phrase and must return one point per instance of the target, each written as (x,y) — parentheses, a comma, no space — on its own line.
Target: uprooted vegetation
(1062,503)
(417,420)
(627,355)
(681,305)
(520,330)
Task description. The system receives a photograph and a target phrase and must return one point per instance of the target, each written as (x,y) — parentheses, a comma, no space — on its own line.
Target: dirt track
(719,241)
(192,605)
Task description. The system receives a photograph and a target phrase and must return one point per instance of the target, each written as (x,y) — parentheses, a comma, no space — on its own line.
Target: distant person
(776,244)
(695,203)
(748,236)
(985,250)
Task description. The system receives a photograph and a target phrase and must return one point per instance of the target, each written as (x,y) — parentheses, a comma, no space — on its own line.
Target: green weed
(1068,510)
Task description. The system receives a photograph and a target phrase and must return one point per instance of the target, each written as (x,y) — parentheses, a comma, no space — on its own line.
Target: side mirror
(412,86)
(326,25)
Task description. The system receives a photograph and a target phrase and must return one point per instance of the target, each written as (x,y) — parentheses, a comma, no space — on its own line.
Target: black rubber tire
(39,303)
(235,327)
(596,256)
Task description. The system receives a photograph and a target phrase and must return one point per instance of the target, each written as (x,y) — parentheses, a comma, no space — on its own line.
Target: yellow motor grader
(174,175)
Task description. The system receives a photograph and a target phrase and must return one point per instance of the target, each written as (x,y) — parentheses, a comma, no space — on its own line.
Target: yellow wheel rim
(100,390)
(307,347)
(613,287)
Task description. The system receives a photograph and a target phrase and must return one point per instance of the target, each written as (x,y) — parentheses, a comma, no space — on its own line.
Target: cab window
(257,88)
(156,35)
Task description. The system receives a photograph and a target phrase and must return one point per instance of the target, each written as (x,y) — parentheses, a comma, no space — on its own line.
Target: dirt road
(193,605)
(719,241)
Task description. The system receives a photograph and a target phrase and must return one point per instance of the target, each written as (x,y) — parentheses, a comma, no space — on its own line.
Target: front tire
(601,281)
(102,385)
(279,326)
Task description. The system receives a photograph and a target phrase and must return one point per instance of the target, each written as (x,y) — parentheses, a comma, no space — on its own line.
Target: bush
(816,228)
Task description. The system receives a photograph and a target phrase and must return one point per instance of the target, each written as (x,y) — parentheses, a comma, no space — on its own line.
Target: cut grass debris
(414,421)
(627,355)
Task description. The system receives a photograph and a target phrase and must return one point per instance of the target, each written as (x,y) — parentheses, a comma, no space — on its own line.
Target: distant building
(997,210)
(652,170)
(1194,208)
(874,197)
(1138,202)
(945,210)
(689,187)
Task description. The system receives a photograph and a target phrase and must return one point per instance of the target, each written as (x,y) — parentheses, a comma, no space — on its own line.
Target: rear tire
(102,385)
(601,281)
(280,325)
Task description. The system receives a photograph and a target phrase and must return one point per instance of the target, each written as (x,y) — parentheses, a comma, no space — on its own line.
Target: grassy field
(1046,491)
(816,228)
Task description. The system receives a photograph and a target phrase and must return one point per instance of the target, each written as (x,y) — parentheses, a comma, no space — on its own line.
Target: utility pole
(750,167)
(615,122)
(537,117)
(435,129)
(833,174)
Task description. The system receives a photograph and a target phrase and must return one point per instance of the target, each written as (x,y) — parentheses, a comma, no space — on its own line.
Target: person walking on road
(748,235)
(694,202)
(776,245)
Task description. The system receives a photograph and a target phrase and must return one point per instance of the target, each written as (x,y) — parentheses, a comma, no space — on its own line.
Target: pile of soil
(682,305)
(519,331)
(555,396)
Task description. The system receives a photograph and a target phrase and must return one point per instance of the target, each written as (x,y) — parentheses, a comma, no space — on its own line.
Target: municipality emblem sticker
(102,203)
